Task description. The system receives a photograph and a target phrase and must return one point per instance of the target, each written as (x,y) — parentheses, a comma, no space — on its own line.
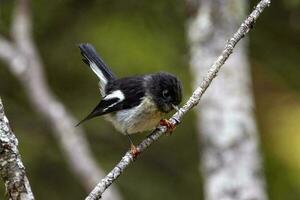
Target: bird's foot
(170,126)
(134,151)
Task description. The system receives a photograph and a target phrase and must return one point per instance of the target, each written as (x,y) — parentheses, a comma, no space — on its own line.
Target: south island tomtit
(133,104)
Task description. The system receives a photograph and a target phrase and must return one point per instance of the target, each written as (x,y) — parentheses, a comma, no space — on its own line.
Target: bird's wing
(111,103)
(122,94)
(94,61)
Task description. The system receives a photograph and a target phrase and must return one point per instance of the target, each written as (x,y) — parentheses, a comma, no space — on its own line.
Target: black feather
(164,81)
(89,53)
(102,108)
(131,87)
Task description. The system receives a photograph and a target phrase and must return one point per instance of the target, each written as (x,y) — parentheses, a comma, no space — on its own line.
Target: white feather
(143,117)
(102,89)
(103,80)
(116,94)
(98,72)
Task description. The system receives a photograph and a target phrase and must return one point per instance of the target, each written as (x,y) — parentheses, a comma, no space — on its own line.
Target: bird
(132,104)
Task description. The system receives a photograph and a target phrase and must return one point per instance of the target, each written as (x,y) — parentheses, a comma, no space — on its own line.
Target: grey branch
(193,101)
(23,60)
(230,160)
(12,170)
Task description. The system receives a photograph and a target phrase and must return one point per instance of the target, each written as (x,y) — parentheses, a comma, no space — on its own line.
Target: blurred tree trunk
(12,170)
(231,164)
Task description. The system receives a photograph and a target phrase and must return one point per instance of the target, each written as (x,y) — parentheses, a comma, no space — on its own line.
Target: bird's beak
(175,107)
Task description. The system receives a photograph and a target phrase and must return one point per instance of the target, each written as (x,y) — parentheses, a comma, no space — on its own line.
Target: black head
(166,90)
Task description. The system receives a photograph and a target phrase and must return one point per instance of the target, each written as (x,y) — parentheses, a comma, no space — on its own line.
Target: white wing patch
(116,94)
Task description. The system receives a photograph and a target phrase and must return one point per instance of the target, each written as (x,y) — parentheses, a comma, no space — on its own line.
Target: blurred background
(138,37)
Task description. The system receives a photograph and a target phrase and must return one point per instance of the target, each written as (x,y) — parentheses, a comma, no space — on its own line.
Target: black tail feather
(89,53)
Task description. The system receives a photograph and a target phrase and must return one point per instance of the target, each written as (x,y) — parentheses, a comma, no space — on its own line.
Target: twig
(12,170)
(24,61)
(193,101)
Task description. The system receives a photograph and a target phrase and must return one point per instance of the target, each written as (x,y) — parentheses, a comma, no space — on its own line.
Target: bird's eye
(165,93)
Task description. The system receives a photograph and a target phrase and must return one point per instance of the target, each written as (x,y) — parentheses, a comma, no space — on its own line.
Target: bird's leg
(133,150)
(170,126)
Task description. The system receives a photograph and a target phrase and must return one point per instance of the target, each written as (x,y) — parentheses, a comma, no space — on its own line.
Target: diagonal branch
(12,170)
(7,50)
(193,101)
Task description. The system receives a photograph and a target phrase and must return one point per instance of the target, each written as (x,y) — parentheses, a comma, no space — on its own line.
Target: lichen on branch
(12,170)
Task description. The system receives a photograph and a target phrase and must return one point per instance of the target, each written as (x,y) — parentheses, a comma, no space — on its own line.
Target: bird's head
(166,91)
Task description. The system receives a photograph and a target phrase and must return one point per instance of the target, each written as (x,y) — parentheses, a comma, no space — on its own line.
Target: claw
(170,126)
(134,151)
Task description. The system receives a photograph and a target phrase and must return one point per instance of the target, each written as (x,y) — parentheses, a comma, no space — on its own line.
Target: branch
(7,51)
(12,170)
(193,101)
(25,63)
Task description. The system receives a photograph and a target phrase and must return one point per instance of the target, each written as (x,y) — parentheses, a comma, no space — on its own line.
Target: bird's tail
(94,61)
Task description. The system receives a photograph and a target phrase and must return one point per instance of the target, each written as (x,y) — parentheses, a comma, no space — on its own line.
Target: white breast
(144,117)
